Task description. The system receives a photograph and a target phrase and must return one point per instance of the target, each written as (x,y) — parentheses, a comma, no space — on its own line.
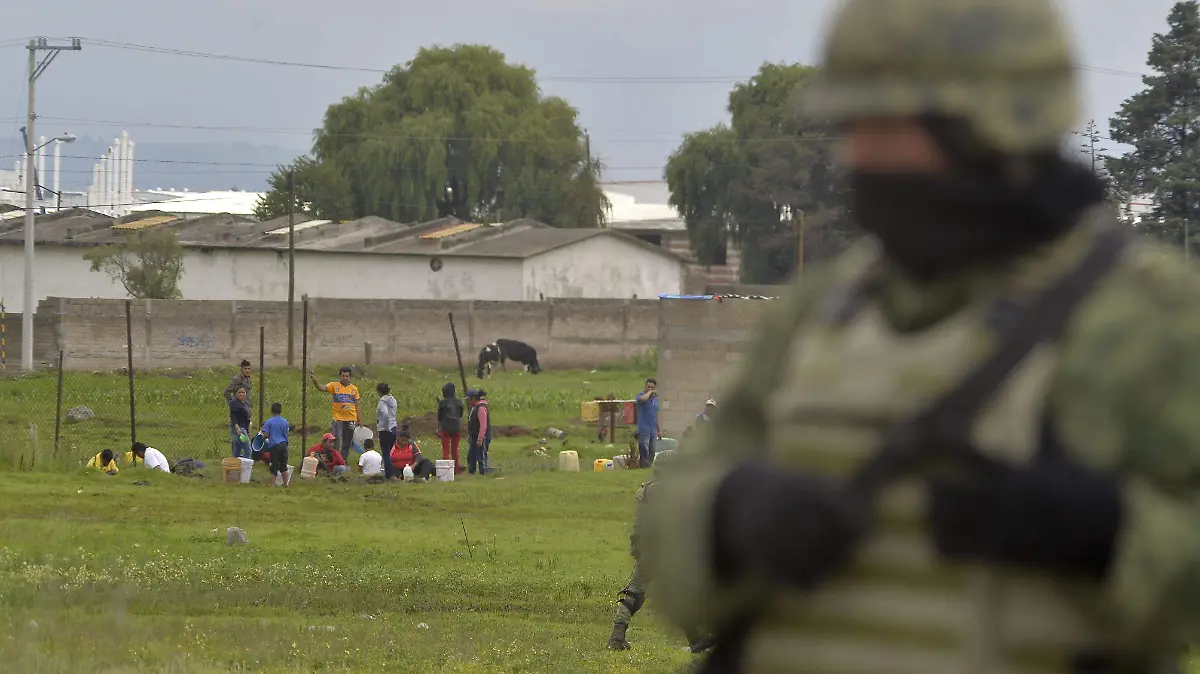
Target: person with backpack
(450,414)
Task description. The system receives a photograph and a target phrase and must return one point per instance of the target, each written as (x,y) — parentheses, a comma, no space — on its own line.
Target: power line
(380,71)
(389,136)
(663,79)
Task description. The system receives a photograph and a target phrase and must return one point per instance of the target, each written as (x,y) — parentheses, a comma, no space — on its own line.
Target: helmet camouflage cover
(1003,66)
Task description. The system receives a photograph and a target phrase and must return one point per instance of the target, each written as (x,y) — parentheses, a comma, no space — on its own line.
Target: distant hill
(193,166)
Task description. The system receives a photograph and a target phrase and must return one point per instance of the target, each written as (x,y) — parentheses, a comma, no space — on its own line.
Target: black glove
(1052,515)
(795,528)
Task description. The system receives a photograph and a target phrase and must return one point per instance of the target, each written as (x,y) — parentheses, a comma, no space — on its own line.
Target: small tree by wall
(148,265)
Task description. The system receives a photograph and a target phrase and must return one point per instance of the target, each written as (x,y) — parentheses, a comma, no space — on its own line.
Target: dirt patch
(511,431)
(427,424)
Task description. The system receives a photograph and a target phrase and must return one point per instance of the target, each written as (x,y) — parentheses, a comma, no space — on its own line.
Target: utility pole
(36,68)
(798,221)
(291,265)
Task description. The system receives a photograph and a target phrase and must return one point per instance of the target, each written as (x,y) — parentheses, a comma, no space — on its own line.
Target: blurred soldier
(971,444)
(633,596)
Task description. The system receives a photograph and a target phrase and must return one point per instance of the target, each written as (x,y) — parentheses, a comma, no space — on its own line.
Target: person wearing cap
(706,416)
(329,459)
(479,432)
(970,443)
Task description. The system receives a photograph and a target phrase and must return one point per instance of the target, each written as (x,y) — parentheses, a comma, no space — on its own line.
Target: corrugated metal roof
(299,227)
(145,223)
(527,243)
(462,228)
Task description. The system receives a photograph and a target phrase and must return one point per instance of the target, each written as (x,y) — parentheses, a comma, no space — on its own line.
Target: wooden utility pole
(291,347)
(798,221)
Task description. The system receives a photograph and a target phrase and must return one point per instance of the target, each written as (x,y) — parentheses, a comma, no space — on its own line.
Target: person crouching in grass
(329,459)
(407,453)
(105,462)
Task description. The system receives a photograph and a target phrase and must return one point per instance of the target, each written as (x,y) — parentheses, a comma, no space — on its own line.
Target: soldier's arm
(1127,400)
(678,543)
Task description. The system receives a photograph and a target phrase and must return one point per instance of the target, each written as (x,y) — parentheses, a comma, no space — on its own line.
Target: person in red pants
(450,414)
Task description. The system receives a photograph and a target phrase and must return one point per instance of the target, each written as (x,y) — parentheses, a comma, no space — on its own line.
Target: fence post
(58,407)
(129,351)
(304,381)
(367,358)
(262,373)
(458,352)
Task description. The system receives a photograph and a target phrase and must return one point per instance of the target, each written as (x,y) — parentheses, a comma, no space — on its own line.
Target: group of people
(138,455)
(335,447)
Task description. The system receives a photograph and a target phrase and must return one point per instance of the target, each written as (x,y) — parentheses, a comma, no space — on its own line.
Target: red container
(630,413)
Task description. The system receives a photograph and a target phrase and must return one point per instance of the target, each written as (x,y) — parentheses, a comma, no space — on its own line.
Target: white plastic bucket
(444,468)
(247,469)
(361,435)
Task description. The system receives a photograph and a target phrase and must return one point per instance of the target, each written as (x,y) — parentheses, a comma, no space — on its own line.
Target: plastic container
(620,462)
(666,445)
(444,469)
(408,474)
(308,468)
(600,465)
(361,435)
(568,461)
(589,411)
(246,468)
(231,470)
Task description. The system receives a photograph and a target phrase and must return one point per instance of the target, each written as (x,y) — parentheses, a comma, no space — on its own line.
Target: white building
(229,257)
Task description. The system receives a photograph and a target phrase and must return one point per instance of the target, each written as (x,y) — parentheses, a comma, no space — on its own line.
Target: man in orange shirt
(346,413)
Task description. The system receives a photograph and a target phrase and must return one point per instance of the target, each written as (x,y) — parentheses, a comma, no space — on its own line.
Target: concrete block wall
(700,345)
(201,333)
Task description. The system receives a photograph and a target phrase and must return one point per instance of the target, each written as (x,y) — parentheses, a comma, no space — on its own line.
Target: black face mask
(935,225)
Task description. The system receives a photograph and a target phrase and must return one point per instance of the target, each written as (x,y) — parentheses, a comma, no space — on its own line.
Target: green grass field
(99,574)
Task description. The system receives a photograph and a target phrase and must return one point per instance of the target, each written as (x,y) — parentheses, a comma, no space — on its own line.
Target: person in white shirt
(371,461)
(151,457)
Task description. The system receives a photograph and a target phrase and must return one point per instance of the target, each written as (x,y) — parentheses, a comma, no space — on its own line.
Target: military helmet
(1002,66)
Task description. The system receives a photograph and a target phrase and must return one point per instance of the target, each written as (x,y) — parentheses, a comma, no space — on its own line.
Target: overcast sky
(634,126)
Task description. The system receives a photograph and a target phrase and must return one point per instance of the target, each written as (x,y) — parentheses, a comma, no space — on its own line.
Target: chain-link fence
(59,419)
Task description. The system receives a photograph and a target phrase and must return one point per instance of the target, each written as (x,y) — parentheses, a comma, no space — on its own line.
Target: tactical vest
(850,379)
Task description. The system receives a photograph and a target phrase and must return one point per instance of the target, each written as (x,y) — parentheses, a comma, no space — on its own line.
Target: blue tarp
(686,297)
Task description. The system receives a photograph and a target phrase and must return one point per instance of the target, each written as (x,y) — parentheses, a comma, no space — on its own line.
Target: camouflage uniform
(1106,405)
(633,595)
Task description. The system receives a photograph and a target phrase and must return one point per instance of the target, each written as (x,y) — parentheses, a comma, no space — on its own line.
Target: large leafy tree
(746,181)
(457,132)
(1162,123)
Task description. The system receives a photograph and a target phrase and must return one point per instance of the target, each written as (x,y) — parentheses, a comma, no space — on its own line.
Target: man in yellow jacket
(105,461)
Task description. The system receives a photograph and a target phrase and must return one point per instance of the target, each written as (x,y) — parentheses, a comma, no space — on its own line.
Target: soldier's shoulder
(1151,283)
(1150,303)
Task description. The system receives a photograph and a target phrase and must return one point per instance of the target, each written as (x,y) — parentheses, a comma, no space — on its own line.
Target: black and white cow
(520,352)
(487,355)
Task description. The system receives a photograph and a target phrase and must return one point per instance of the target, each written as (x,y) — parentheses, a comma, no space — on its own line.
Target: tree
(743,182)
(455,132)
(1161,124)
(148,264)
